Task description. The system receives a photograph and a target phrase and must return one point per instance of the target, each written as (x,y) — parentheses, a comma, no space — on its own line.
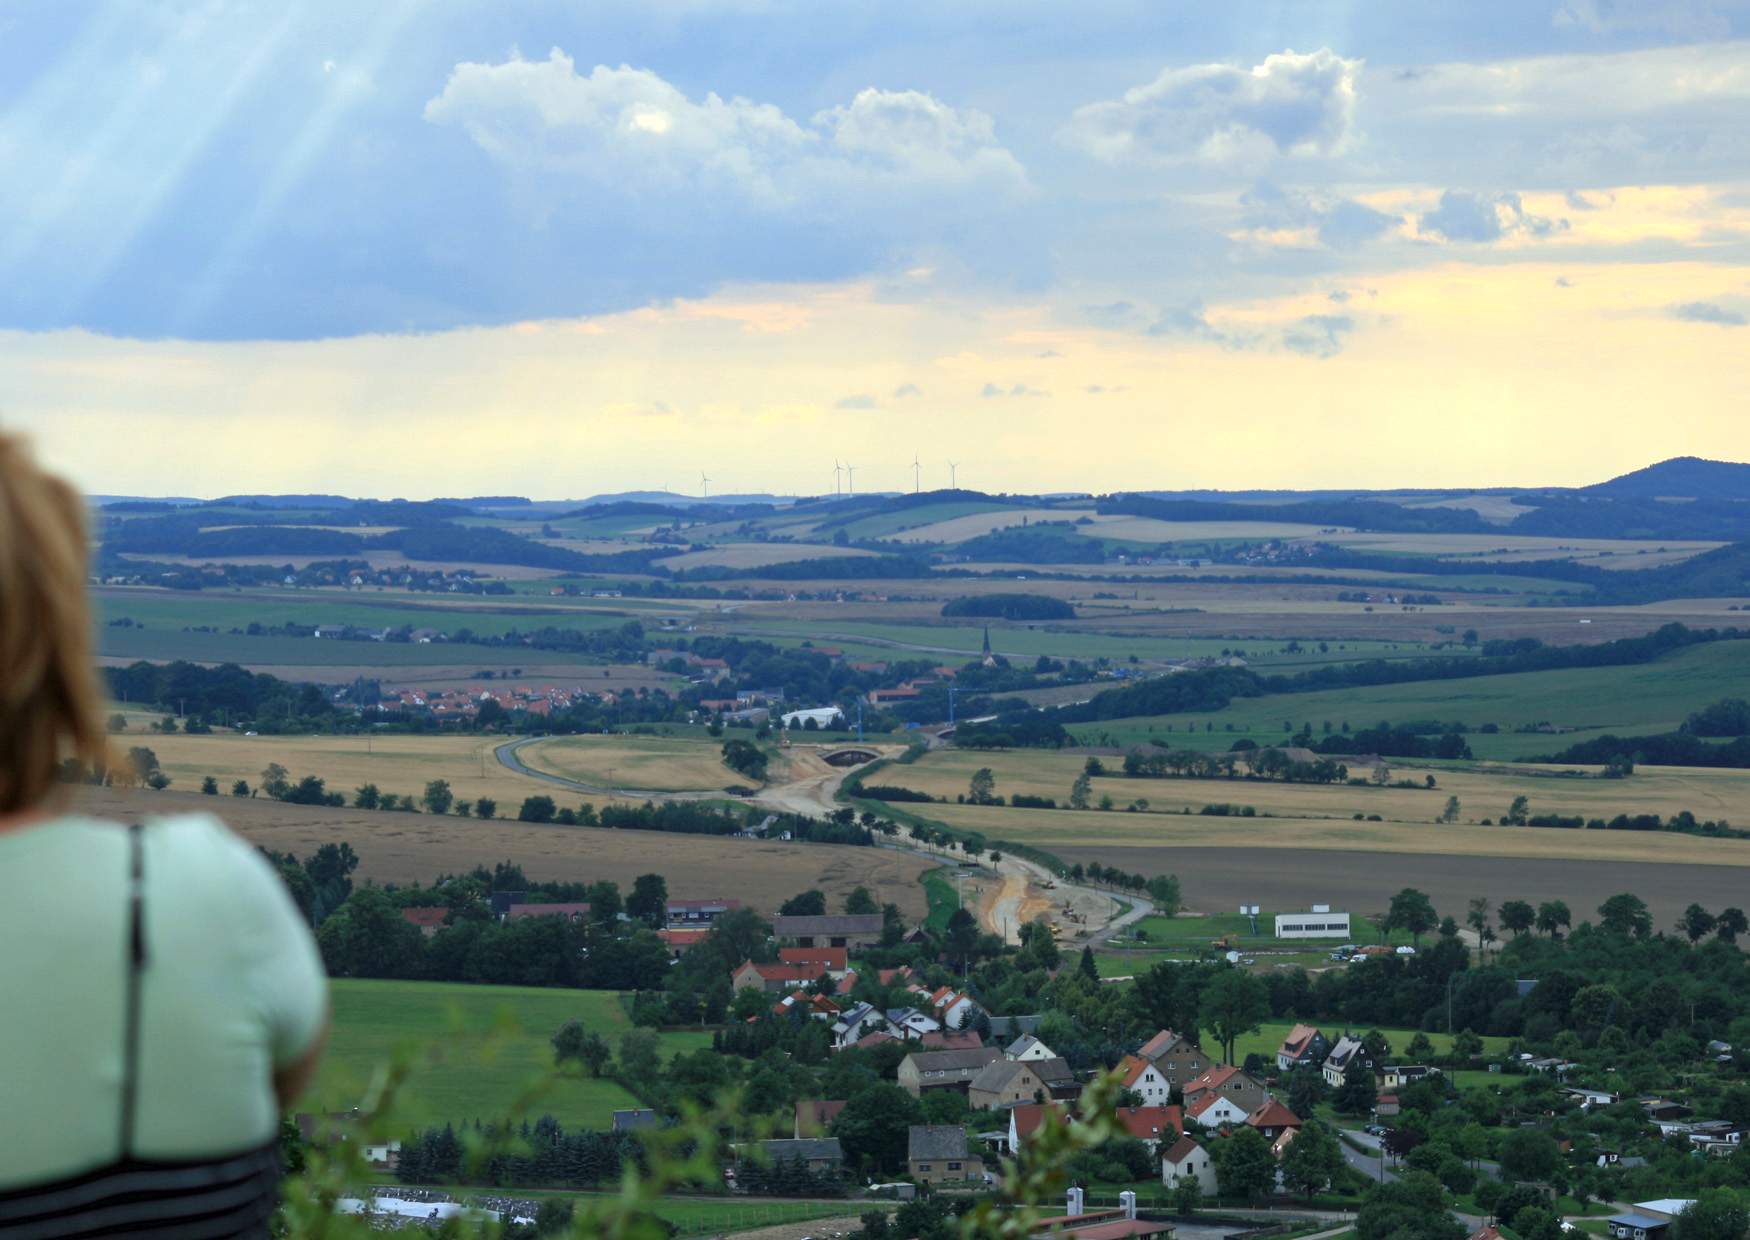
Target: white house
(854,1022)
(1187,1160)
(1347,1050)
(1215,1109)
(1027,1049)
(908,1022)
(1147,1081)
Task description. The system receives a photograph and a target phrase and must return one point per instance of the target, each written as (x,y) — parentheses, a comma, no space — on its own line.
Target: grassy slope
(480,1048)
(1647,698)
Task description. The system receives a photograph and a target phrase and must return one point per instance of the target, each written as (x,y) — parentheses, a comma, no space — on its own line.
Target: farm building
(819,716)
(1320,923)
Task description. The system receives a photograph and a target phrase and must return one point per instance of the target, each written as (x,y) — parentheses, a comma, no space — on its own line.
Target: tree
(1244,1165)
(1717,1214)
(209,787)
(594,1053)
(649,899)
(118,722)
(1358,1094)
(1517,916)
(1452,810)
(1188,1196)
(1625,913)
(1518,811)
(367,796)
(1233,1004)
(983,787)
(1078,791)
(1306,1089)
(438,798)
(537,808)
(1697,923)
(157,781)
(1731,924)
(1420,1048)
(874,1126)
(1478,916)
(807,904)
(1086,966)
(640,1055)
(485,807)
(276,781)
(1312,1161)
(1553,917)
(745,758)
(240,788)
(861,901)
(1411,910)
(568,1042)
(1163,889)
(1412,1207)
(1529,1154)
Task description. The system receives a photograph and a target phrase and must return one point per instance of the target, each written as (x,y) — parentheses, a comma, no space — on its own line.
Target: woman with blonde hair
(163,997)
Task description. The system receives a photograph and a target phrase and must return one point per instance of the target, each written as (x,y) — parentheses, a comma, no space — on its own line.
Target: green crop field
(1650,697)
(476,1050)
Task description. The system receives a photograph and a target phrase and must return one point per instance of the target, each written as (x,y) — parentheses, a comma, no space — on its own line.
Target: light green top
(233,988)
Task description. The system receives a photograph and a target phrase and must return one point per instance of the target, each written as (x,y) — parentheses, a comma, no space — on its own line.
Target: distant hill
(1689,477)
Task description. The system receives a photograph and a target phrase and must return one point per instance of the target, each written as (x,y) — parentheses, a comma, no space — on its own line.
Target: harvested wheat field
(398,764)
(659,763)
(405,848)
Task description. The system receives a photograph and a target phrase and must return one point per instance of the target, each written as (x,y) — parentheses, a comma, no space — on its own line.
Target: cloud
(1564,282)
(1701,19)
(1339,223)
(631,129)
(1318,335)
(861,400)
(1292,103)
(1707,312)
(1188,320)
(1481,218)
(991,391)
(905,390)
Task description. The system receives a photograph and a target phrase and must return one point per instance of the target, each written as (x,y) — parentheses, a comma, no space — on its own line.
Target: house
(1387,1105)
(1348,1050)
(815,1115)
(429,920)
(1175,1056)
(1242,1090)
(1213,1110)
(820,959)
(678,941)
(1144,1079)
(1273,1119)
(633,1120)
(936,1154)
(848,930)
(908,1024)
(952,1008)
(1185,1160)
(1003,1028)
(1484,1233)
(1589,1098)
(816,1007)
(1665,1209)
(774,978)
(1003,1083)
(856,1021)
(1305,1046)
(1152,1125)
(955,1070)
(1026,1118)
(571,912)
(1396,1076)
(1637,1226)
(820,1155)
(1059,1078)
(1027,1048)
(683,914)
(1664,1108)
(951,1040)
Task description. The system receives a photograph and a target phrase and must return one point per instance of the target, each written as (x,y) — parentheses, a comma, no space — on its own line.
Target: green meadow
(474,1051)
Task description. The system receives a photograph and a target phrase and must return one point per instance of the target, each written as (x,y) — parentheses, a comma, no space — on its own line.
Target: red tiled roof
(824,959)
(1215,1078)
(423,917)
(1151,1123)
(1134,1067)
(952,1040)
(1158,1045)
(681,938)
(1295,1044)
(781,972)
(519,911)
(1273,1115)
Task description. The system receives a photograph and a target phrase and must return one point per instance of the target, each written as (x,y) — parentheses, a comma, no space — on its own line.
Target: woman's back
(227,986)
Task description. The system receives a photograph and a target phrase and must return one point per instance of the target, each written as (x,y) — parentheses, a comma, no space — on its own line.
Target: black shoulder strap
(136,965)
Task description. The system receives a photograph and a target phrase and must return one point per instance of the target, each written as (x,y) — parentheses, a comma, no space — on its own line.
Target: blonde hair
(50,706)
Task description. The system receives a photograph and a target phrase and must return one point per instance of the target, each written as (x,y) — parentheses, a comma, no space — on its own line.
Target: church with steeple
(990,660)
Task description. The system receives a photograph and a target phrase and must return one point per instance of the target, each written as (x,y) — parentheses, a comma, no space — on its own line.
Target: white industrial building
(1321,923)
(823,717)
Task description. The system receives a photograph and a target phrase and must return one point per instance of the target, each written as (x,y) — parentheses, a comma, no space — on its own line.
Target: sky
(425,247)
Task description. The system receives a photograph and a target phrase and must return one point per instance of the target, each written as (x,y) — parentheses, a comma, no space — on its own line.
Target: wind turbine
(837,469)
(915,467)
(953,479)
(705,483)
(851,477)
